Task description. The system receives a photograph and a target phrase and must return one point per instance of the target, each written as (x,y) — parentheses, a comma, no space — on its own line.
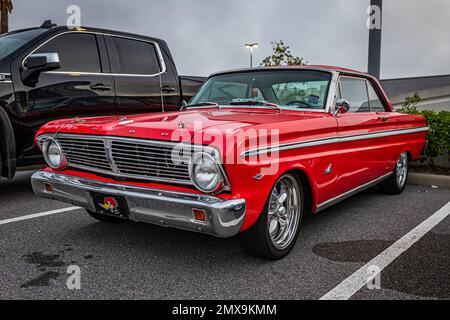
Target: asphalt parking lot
(141,261)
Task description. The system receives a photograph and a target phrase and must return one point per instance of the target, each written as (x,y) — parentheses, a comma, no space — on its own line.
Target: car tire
(105,218)
(396,183)
(261,239)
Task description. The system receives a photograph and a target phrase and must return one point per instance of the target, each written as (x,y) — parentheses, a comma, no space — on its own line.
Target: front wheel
(397,181)
(275,232)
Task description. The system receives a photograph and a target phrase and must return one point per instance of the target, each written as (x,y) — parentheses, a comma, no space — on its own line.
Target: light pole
(251,46)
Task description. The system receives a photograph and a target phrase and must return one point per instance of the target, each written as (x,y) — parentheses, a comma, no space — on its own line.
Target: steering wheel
(297,102)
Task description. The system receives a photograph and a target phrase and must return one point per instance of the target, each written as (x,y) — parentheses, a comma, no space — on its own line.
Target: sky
(206,36)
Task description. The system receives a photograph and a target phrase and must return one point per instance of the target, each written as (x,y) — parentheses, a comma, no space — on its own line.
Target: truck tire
(1,166)
(105,218)
(275,232)
(397,181)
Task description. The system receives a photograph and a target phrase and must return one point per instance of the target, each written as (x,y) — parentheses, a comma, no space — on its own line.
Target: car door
(361,155)
(80,87)
(137,69)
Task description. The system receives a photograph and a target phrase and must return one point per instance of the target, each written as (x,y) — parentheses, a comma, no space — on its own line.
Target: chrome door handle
(100,87)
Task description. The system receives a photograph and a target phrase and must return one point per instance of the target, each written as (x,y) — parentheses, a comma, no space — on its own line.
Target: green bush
(439,123)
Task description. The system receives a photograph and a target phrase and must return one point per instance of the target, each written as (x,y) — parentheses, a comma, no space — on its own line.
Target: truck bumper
(223,218)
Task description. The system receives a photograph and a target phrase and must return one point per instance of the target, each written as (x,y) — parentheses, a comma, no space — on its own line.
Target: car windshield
(10,42)
(289,89)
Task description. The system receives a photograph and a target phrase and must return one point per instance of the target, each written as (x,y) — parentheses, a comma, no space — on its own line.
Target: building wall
(434,91)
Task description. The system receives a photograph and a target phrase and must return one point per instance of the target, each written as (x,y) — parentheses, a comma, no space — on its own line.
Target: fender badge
(131,131)
(328,169)
(164,134)
(181,125)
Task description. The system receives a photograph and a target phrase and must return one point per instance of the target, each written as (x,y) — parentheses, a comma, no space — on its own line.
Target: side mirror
(37,63)
(342,106)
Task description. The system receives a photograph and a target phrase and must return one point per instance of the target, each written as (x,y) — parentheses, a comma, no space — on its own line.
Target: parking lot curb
(424,179)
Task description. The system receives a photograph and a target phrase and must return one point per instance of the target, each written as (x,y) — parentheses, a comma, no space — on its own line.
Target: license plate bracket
(115,206)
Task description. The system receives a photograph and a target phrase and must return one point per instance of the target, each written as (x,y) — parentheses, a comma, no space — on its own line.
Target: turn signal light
(199,215)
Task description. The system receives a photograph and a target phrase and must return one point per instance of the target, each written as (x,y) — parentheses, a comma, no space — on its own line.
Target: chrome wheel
(284,211)
(401,169)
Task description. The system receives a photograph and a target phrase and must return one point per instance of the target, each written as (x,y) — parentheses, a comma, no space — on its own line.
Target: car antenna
(48,24)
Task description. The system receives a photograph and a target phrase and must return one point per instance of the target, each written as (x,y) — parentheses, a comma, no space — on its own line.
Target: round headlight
(205,173)
(53,154)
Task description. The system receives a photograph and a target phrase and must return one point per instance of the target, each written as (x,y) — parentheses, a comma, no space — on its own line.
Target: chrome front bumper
(224,218)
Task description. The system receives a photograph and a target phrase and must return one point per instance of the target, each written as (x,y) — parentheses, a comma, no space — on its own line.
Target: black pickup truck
(54,72)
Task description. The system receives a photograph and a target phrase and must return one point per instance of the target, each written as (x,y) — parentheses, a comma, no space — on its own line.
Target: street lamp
(251,46)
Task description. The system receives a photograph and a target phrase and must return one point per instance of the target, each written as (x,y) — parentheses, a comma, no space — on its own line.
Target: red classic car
(253,152)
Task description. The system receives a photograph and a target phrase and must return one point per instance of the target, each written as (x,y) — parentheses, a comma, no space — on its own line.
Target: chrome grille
(150,160)
(128,158)
(85,152)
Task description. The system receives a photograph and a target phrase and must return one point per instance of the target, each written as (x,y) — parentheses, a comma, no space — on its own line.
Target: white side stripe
(37,215)
(337,139)
(347,288)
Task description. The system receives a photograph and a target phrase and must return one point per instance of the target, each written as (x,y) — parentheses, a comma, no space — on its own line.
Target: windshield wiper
(201,104)
(255,102)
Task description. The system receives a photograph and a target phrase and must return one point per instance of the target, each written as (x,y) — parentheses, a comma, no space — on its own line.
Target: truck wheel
(1,166)
(397,181)
(105,218)
(275,232)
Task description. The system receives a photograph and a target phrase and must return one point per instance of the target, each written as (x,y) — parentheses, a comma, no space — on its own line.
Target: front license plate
(110,205)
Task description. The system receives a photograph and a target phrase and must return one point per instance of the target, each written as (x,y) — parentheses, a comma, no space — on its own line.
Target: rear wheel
(105,218)
(275,232)
(397,181)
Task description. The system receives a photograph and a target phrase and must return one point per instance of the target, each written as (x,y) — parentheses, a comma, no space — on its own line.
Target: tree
(281,56)
(6,8)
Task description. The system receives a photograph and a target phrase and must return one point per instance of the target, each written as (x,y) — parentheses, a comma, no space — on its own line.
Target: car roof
(325,68)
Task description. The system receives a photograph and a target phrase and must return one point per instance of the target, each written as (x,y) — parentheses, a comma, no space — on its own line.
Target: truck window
(355,92)
(77,52)
(134,57)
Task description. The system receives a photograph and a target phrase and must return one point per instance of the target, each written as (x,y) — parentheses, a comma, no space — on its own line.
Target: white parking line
(37,215)
(347,288)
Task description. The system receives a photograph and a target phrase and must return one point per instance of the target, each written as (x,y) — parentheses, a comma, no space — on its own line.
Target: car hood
(177,126)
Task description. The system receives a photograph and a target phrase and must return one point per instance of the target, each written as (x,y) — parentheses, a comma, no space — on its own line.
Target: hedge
(439,123)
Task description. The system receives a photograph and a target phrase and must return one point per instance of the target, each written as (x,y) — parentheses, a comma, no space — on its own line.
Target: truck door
(81,87)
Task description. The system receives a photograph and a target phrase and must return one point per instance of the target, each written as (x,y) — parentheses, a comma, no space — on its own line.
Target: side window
(134,57)
(355,92)
(374,100)
(77,52)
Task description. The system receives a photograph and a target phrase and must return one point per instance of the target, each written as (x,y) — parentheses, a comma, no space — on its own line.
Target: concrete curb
(425,179)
